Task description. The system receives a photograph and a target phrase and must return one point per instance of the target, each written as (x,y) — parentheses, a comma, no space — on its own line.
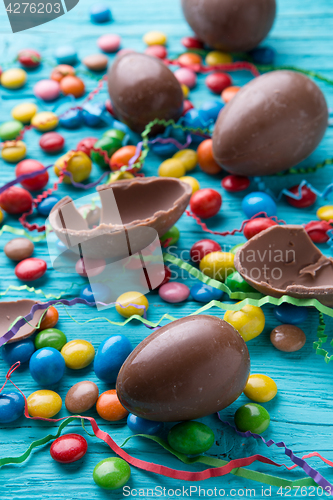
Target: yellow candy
(119,176)
(249,321)
(217,57)
(218,265)
(155,38)
(44,404)
(45,121)
(1,216)
(78,354)
(78,163)
(13,78)
(325,213)
(185,90)
(24,112)
(126,310)
(192,182)
(260,388)
(13,151)
(172,168)
(188,157)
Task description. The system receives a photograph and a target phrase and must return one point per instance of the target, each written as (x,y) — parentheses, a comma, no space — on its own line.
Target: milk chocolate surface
(81,397)
(282,260)
(143,88)
(271,124)
(185,370)
(288,338)
(230,25)
(9,311)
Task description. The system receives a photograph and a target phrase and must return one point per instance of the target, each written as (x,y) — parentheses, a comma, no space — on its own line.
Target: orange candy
(109,407)
(206,159)
(188,59)
(229,93)
(72,85)
(50,319)
(61,71)
(122,157)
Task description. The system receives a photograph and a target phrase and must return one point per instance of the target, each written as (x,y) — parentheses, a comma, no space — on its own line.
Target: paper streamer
(265,68)
(22,232)
(322,339)
(200,68)
(285,192)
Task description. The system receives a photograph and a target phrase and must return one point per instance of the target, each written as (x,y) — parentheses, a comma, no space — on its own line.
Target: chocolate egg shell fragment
(185,370)
(9,311)
(230,25)
(282,260)
(143,88)
(271,124)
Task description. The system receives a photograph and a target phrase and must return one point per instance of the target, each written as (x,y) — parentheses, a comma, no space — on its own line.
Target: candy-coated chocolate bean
(86,145)
(288,338)
(187,77)
(13,78)
(235,249)
(47,90)
(174,292)
(189,59)
(108,144)
(235,183)
(81,397)
(44,403)
(202,248)
(262,55)
(59,72)
(18,351)
(13,151)
(109,408)
(65,54)
(191,438)
(11,406)
(237,283)
(140,425)
(52,142)
(122,157)
(192,181)
(45,206)
(126,309)
(50,337)
(260,388)
(255,226)
(188,157)
(191,42)
(100,13)
(19,249)
(50,319)
(75,162)
(71,119)
(36,183)
(290,314)
(112,473)
(216,57)
(1,216)
(155,38)
(10,130)
(229,93)
(96,293)
(72,85)
(15,200)
(68,448)
(218,265)
(307,199)
(187,105)
(257,202)
(110,356)
(205,293)
(249,321)
(30,269)
(78,354)
(24,112)
(317,230)
(206,203)
(115,134)
(96,62)
(172,168)
(325,213)
(206,159)
(29,58)
(45,121)
(212,109)
(171,237)
(218,81)
(47,366)
(157,51)
(252,417)
(109,43)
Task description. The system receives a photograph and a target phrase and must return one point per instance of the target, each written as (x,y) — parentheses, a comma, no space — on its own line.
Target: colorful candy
(255,226)
(99,293)
(206,203)
(31,269)
(18,351)
(191,42)
(59,72)
(75,162)
(260,388)
(78,354)
(257,202)
(122,157)
(13,151)
(50,319)
(218,81)
(109,43)
(10,130)
(47,90)
(109,407)
(66,54)
(100,13)
(317,230)
(191,438)
(47,366)
(52,142)
(72,85)
(170,237)
(15,200)
(45,121)
(110,356)
(174,292)
(157,51)
(290,314)
(235,183)
(189,59)
(96,62)
(108,144)
(187,77)
(237,283)
(13,78)
(218,265)
(140,425)
(44,403)
(288,338)
(211,109)
(325,213)
(50,337)
(249,321)
(192,181)
(19,249)
(24,112)
(262,55)
(229,93)
(29,58)
(206,159)
(27,167)
(308,197)
(155,38)
(81,397)
(45,206)
(68,448)
(205,293)
(112,473)
(202,248)
(172,168)
(11,406)
(124,307)
(252,417)
(91,267)
(86,145)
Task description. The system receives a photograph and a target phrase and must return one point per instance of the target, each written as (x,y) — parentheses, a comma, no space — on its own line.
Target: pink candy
(48,90)
(174,292)
(186,76)
(109,43)
(157,51)
(91,267)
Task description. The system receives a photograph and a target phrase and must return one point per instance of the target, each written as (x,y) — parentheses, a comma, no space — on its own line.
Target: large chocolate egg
(143,88)
(230,25)
(271,124)
(185,370)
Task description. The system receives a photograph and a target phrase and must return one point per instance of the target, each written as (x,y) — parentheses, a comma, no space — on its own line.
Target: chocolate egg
(10,311)
(143,88)
(282,260)
(271,124)
(230,25)
(185,370)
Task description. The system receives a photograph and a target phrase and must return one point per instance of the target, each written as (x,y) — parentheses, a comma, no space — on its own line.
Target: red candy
(109,107)
(255,226)
(235,183)
(52,142)
(202,248)
(190,42)
(29,58)
(217,82)
(15,200)
(317,230)
(30,269)
(307,200)
(206,203)
(157,51)
(86,145)
(187,105)
(68,448)
(27,167)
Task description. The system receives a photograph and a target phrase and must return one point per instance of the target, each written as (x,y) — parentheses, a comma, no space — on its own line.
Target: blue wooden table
(301,414)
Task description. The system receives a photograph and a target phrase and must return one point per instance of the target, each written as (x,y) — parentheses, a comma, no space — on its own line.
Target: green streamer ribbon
(39,291)
(322,338)
(270,67)
(22,232)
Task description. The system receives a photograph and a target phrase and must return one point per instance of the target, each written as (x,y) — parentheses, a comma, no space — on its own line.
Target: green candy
(171,237)
(111,473)
(252,417)
(114,133)
(235,248)
(238,284)
(108,144)
(51,337)
(191,438)
(10,130)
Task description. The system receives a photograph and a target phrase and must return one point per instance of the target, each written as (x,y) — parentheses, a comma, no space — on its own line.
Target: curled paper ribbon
(322,338)
(285,192)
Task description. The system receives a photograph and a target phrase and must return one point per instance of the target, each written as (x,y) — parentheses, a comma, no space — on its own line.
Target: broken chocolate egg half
(10,311)
(282,260)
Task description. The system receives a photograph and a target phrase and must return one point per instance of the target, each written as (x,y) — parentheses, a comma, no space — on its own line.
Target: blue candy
(11,406)
(212,109)
(66,54)
(110,356)
(45,206)
(97,293)
(100,13)
(47,366)
(205,293)
(262,55)
(61,246)
(92,114)
(18,351)
(164,150)
(71,119)
(142,426)
(289,314)
(195,119)
(257,202)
